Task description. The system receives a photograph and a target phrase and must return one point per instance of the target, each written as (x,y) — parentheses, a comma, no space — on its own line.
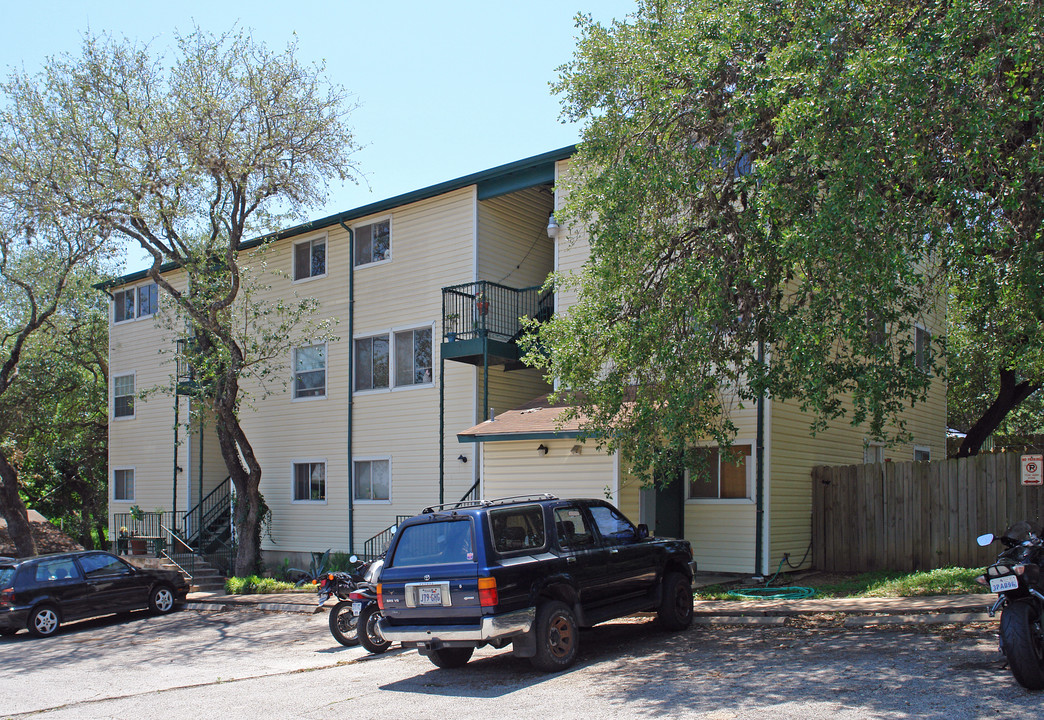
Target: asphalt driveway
(239,661)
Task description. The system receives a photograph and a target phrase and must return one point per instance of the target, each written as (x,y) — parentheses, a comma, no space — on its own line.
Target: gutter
(351,388)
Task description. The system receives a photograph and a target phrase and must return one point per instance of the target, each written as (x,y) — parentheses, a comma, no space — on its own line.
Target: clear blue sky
(445,89)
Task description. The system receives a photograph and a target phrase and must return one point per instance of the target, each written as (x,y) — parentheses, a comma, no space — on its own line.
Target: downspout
(174,501)
(351,384)
(759,474)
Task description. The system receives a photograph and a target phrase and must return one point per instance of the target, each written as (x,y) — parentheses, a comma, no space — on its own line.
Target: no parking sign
(1031,469)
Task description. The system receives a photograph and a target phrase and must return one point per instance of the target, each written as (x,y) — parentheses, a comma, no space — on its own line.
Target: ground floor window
(310,481)
(373,480)
(723,474)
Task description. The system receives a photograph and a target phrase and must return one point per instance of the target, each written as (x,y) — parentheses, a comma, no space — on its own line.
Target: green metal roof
(499,180)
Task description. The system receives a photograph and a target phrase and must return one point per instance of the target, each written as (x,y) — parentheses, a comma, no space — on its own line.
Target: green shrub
(254,585)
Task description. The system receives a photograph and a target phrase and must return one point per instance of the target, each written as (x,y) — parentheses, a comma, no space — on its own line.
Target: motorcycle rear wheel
(369,635)
(344,623)
(1020,637)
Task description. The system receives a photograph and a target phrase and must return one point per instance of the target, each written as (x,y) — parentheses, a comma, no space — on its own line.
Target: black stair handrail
(375,546)
(219,497)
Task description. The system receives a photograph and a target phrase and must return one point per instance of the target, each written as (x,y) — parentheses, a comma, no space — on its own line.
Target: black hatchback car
(40,593)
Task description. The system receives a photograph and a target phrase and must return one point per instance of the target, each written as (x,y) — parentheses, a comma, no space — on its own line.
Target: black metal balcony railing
(488,309)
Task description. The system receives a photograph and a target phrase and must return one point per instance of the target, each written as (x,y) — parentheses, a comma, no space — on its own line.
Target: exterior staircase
(201,575)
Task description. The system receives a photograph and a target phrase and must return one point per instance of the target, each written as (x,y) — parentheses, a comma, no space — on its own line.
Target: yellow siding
(572,247)
(510,389)
(146,441)
(518,468)
(514,248)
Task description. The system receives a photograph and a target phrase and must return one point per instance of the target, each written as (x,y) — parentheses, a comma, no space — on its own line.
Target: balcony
(481,321)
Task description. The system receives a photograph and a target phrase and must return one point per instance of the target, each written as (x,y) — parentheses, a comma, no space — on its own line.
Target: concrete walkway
(858,611)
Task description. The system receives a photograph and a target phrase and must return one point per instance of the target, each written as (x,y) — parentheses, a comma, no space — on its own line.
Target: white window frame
(391,241)
(390,335)
(355,479)
(134,289)
(922,448)
(310,241)
(921,359)
(293,373)
(112,484)
(751,469)
(878,449)
(134,395)
(293,481)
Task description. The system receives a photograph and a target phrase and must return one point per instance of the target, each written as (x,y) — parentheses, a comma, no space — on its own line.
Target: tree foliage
(188,157)
(802,177)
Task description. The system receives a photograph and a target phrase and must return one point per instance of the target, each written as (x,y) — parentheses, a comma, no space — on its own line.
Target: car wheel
(44,621)
(370,635)
(451,657)
(675,611)
(161,600)
(557,637)
(344,624)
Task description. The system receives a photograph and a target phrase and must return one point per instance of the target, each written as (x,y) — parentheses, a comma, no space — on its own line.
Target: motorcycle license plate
(1002,584)
(356,608)
(430,595)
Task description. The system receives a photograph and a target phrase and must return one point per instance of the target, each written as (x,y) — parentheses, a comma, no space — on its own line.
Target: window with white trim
(373,243)
(922,453)
(310,371)
(372,360)
(922,341)
(372,480)
(123,484)
(310,481)
(123,395)
(413,357)
(310,258)
(719,475)
(135,302)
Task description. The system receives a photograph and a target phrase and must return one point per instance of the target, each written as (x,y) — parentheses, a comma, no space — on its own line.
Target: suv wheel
(675,611)
(557,637)
(43,621)
(451,657)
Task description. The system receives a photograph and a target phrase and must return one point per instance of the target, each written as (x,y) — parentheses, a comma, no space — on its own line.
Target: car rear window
(6,576)
(435,543)
(517,528)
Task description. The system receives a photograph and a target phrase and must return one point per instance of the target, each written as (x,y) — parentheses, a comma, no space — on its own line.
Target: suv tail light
(380,596)
(487,588)
(7,596)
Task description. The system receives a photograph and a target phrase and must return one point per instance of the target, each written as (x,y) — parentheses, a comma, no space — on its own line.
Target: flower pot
(451,337)
(482,306)
(138,546)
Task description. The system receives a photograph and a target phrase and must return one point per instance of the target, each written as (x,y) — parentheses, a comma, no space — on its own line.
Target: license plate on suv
(1003,584)
(431,594)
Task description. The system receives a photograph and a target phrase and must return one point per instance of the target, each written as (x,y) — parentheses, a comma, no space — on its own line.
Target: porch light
(542,449)
(463,458)
(552,226)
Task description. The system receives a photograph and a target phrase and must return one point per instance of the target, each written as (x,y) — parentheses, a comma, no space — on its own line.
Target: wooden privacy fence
(917,515)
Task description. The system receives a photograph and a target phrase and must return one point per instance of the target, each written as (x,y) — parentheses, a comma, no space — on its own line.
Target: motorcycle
(353,619)
(1016,577)
(366,609)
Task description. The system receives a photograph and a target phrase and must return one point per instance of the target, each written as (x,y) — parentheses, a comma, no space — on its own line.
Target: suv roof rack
(486,503)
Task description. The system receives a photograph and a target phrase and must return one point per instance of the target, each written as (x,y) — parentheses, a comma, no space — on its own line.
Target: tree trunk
(1009,395)
(245,472)
(13,510)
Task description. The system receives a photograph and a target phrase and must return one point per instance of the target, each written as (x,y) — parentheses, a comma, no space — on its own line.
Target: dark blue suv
(529,571)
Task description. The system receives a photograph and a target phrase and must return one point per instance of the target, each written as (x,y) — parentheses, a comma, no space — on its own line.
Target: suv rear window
(435,543)
(517,528)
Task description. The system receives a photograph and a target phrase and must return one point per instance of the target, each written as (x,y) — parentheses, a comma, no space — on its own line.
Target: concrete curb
(269,607)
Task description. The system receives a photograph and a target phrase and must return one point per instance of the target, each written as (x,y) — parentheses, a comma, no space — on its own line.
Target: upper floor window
(123,395)
(135,302)
(310,371)
(413,357)
(310,258)
(309,481)
(373,242)
(720,475)
(123,484)
(922,341)
(371,363)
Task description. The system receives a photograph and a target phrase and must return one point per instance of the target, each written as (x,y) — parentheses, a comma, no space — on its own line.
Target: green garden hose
(778,593)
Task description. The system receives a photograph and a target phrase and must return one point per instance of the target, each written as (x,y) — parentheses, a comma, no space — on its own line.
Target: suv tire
(451,657)
(557,637)
(676,610)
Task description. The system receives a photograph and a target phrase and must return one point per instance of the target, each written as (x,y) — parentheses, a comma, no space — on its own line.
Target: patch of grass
(254,585)
(944,581)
